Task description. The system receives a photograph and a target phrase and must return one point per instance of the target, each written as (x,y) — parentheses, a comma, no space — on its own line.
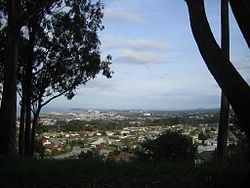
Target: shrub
(170,146)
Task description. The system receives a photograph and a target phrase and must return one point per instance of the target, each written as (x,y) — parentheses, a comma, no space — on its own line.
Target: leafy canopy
(170,146)
(66,50)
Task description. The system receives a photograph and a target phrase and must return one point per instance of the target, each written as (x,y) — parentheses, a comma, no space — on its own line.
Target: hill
(94,173)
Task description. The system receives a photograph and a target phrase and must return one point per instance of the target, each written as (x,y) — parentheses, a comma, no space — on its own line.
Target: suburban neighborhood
(129,129)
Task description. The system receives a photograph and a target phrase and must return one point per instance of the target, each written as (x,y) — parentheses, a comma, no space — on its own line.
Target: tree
(60,53)
(8,102)
(170,146)
(202,136)
(241,11)
(39,149)
(16,19)
(66,54)
(224,111)
(239,151)
(230,81)
(90,155)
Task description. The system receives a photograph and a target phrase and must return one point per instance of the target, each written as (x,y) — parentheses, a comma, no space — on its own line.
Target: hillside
(79,173)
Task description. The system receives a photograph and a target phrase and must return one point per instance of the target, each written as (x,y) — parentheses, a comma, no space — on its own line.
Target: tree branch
(31,14)
(241,11)
(48,101)
(230,81)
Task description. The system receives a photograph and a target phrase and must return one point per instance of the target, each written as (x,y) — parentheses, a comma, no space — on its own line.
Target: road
(75,152)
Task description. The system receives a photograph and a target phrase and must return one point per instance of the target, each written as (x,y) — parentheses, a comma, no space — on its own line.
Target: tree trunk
(228,78)
(33,133)
(223,129)
(21,127)
(27,130)
(8,103)
(224,111)
(28,86)
(241,11)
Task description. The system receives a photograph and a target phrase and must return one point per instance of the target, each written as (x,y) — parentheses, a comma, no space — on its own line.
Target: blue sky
(155,59)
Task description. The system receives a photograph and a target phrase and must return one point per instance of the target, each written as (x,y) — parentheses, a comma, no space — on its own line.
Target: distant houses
(97,143)
(50,146)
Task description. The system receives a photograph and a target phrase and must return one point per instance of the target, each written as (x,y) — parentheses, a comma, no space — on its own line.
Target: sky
(156,63)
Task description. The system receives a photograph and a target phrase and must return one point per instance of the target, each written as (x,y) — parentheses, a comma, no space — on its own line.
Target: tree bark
(224,111)
(28,86)
(8,103)
(228,78)
(241,11)
(33,133)
(223,129)
(22,127)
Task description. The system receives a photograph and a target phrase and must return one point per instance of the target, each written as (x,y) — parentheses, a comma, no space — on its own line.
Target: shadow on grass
(95,173)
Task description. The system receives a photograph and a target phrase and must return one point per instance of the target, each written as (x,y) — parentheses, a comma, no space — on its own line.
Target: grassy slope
(76,173)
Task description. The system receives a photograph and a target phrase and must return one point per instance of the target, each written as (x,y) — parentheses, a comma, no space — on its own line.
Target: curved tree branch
(241,11)
(230,81)
(52,98)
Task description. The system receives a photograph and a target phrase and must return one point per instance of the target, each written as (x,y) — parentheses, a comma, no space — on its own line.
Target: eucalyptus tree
(17,14)
(10,8)
(59,51)
(65,55)
(224,111)
(241,11)
(230,81)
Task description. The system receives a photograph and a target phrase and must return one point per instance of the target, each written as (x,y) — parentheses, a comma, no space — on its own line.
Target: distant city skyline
(156,62)
(46,110)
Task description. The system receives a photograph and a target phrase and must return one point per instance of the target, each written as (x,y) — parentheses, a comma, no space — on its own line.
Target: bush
(171,146)
(240,152)
(90,155)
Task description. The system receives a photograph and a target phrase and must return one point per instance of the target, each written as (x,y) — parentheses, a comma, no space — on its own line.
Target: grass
(95,173)
(56,152)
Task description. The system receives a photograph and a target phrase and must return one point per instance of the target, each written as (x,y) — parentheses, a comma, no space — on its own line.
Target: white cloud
(144,45)
(185,101)
(99,83)
(112,94)
(243,63)
(121,16)
(242,66)
(131,56)
(139,51)
(113,42)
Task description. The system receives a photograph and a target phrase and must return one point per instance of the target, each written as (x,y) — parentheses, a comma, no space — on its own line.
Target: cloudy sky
(155,59)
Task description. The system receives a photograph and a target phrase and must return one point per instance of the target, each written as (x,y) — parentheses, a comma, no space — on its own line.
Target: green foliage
(90,155)
(113,154)
(67,52)
(81,125)
(59,50)
(239,152)
(74,143)
(184,119)
(170,146)
(39,149)
(56,152)
(108,125)
(202,136)
(73,125)
(41,129)
(62,44)
(167,121)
